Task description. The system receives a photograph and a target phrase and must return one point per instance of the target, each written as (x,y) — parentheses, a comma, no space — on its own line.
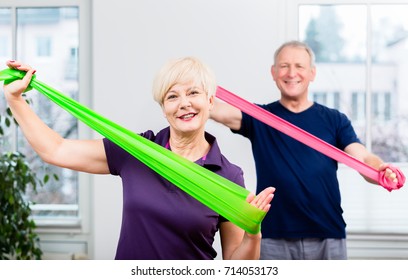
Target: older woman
(159,220)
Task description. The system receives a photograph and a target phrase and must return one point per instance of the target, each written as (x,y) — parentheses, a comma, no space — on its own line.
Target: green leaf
(7,122)
(11,200)
(46,178)
(9,112)
(18,239)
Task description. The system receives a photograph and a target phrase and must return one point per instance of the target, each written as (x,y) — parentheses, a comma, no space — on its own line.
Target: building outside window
(363,54)
(44,46)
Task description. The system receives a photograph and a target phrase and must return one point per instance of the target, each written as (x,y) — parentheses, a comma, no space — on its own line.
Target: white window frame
(79,225)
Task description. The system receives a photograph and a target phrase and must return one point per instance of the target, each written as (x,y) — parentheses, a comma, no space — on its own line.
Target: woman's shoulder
(221,164)
(231,171)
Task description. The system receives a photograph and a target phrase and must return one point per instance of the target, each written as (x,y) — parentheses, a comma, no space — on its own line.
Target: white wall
(132,39)
(236,38)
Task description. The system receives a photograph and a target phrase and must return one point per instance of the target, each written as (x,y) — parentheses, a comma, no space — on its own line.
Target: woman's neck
(192,147)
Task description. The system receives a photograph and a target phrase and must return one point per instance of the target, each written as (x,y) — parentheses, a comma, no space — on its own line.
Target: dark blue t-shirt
(307,201)
(159,220)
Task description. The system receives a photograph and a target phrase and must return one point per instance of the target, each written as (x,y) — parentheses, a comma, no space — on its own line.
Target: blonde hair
(180,71)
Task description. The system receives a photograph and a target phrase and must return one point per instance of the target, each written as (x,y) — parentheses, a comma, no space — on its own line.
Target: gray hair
(296,44)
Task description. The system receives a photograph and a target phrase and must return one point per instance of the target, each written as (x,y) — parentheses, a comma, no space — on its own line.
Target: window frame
(354,186)
(80,223)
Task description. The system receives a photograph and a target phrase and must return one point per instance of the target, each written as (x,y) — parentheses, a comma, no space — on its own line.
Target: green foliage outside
(18,239)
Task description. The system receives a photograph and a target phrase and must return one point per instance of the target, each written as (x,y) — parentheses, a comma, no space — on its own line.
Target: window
(71,70)
(351,53)
(382,106)
(362,54)
(47,36)
(60,29)
(358,102)
(5,53)
(320,97)
(329,99)
(4,46)
(43,46)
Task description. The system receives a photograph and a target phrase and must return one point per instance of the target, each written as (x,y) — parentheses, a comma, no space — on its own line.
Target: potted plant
(18,239)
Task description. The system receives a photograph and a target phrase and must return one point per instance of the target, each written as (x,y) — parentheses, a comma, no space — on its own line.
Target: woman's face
(187,107)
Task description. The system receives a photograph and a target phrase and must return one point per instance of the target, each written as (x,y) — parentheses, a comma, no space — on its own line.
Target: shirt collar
(213,157)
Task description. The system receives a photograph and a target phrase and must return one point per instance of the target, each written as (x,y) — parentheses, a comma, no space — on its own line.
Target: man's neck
(295,105)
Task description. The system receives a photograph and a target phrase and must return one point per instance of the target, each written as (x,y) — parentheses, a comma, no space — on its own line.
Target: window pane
(44,46)
(46,38)
(339,42)
(390,65)
(5,54)
(366,77)
(338,35)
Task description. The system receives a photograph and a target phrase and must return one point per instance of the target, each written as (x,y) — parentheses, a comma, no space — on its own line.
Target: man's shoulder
(326,109)
(272,104)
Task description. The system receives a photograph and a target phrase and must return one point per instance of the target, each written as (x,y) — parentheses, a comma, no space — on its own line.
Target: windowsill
(67,223)
(58,225)
(377,236)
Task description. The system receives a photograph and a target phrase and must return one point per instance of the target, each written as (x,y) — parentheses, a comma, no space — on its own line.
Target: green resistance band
(219,194)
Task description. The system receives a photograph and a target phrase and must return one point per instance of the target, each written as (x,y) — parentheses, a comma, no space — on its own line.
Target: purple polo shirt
(159,220)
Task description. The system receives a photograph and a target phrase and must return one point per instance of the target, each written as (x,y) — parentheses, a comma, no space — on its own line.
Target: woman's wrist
(257,236)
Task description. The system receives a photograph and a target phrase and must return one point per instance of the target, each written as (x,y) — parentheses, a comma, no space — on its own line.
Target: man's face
(292,72)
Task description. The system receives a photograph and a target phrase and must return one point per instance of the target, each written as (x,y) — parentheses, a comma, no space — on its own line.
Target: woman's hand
(263,199)
(240,244)
(16,88)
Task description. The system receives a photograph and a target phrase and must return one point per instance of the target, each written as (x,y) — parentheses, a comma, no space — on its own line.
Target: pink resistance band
(312,141)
